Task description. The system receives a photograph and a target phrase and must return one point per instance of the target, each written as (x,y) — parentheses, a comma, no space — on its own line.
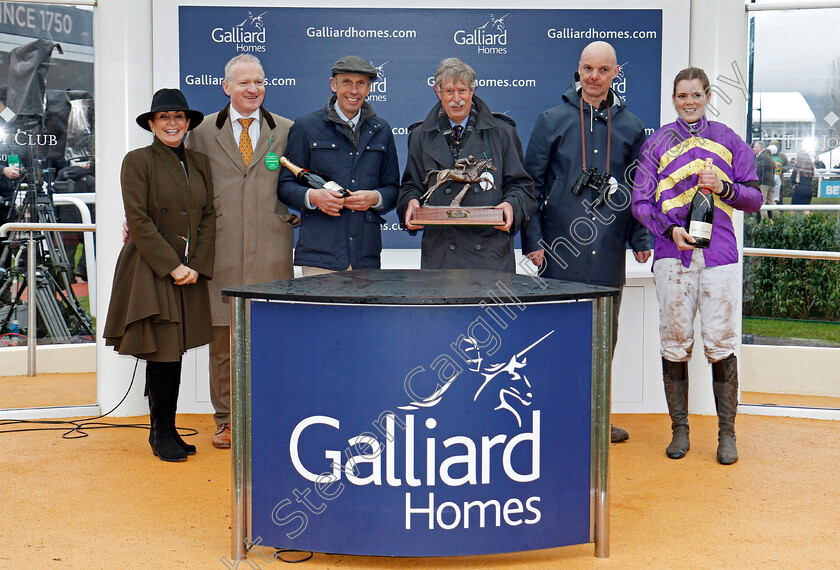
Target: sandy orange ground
(799,400)
(105,502)
(43,390)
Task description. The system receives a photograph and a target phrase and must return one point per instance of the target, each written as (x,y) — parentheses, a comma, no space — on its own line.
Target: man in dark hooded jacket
(584,224)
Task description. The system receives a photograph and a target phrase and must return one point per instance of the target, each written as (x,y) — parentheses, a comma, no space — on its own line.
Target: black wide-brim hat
(170,100)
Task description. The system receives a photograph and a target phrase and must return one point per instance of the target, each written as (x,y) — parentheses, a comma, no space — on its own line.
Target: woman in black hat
(160,306)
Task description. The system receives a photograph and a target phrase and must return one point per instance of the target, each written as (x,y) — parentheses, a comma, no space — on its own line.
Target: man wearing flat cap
(349,144)
(459,126)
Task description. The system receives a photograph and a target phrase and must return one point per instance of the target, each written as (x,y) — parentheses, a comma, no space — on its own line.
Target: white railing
(81,201)
(796,254)
(765,5)
(792,253)
(31,270)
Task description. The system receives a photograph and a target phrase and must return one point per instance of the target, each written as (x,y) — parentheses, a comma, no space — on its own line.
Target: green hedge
(792,288)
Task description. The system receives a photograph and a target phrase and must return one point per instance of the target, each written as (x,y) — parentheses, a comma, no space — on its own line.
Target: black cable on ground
(279,551)
(78,428)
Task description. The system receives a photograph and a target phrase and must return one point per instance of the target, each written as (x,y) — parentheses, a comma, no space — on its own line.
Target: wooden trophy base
(458,216)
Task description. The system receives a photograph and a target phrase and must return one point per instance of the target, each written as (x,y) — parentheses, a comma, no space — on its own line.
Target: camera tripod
(60,315)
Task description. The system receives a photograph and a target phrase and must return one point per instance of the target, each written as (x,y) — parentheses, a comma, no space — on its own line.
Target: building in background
(785,116)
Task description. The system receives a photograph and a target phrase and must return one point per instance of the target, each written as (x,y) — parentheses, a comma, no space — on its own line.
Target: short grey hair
(453,69)
(241,58)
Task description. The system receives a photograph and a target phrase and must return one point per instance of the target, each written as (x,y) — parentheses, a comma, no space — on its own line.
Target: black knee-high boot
(161,436)
(675,377)
(176,388)
(725,386)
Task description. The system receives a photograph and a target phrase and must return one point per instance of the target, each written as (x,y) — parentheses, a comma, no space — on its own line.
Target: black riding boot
(158,382)
(725,385)
(176,388)
(675,377)
(154,370)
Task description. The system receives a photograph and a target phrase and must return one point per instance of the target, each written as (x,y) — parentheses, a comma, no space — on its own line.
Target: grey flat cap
(354,64)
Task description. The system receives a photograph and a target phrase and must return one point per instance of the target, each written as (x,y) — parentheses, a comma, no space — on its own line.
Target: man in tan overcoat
(254,235)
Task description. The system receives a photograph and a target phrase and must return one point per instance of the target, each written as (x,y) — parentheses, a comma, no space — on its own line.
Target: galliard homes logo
(379,87)
(488,38)
(513,388)
(619,84)
(247,36)
(413,459)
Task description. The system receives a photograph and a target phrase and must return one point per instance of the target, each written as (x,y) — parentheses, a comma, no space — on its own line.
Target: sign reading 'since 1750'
(424,432)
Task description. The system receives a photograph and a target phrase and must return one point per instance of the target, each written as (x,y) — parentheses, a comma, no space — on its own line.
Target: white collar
(354,121)
(235,116)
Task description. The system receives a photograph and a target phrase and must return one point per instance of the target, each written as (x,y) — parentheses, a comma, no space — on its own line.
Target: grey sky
(794,49)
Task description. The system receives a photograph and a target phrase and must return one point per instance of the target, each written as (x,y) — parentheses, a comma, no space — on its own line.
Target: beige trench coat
(254,232)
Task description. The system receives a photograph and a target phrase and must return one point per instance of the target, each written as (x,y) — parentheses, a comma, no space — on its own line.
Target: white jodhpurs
(682,291)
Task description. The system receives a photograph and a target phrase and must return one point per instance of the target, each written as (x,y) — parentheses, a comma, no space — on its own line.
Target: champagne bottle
(701,215)
(313,179)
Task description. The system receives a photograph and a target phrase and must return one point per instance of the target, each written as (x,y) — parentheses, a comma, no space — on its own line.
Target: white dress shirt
(253,130)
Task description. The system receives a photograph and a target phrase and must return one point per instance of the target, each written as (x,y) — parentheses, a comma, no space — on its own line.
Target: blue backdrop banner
(458,437)
(524,59)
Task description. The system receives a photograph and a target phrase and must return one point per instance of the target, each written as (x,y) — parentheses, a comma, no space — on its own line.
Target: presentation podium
(420,413)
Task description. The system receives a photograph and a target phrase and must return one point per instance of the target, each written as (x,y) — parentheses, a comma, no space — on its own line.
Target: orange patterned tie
(245,146)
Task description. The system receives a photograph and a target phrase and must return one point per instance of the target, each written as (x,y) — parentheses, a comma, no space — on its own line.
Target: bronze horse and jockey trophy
(467,171)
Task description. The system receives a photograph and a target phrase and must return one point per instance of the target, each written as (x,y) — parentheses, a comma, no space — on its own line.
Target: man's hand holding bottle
(327,201)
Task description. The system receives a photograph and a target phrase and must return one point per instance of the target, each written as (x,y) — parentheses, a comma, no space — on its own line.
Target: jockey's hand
(682,238)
